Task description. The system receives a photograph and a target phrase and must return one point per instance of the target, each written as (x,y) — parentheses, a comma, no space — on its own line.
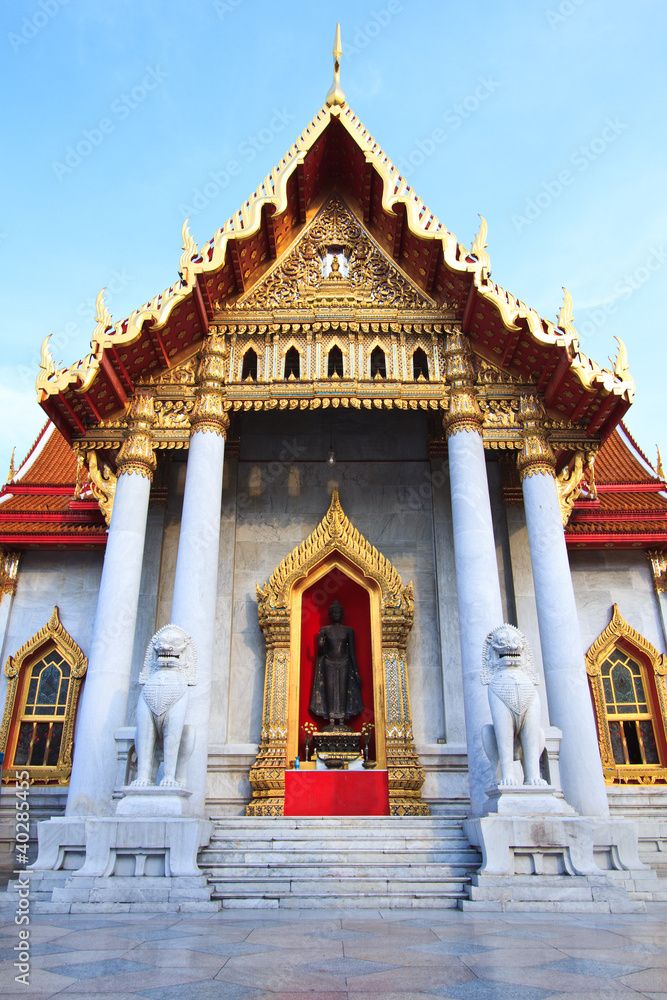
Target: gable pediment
(335,264)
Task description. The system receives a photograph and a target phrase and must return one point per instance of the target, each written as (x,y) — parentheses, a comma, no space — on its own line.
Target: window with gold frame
(627,678)
(43,686)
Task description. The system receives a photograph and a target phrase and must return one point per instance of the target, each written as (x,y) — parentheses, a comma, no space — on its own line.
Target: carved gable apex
(335,263)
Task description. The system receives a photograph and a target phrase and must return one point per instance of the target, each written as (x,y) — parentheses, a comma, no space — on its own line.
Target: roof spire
(336,95)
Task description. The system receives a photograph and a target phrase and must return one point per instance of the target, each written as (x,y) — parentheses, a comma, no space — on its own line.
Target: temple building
(335,404)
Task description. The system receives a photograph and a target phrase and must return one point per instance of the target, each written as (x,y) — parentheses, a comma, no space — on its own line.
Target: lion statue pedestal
(149,849)
(527,828)
(169,669)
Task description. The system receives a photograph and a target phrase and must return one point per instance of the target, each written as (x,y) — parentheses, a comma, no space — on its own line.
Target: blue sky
(545,116)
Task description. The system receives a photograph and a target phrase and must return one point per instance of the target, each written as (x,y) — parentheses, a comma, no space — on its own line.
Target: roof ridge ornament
(336,95)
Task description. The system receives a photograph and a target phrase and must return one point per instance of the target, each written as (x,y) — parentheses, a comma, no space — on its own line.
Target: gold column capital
(9,570)
(464,413)
(136,455)
(536,457)
(658,561)
(209,413)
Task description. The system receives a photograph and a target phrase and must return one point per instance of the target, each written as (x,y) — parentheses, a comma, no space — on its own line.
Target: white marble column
(570,706)
(477,583)
(104,698)
(195,586)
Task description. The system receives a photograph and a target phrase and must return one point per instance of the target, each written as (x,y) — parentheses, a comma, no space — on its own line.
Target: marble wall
(275,495)
(622,577)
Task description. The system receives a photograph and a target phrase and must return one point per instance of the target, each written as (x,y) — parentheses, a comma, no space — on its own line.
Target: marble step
(260,853)
(214,860)
(403,870)
(315,884)
(339,822)
(416,839)
(293,901)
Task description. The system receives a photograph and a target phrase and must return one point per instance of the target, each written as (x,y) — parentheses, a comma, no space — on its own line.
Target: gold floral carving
(373,280)
(619,633)
(335,532)
(208,413)
(190,253)
(102,485)
(568,484)
(478,248)
(52,635)
(136,455)
(9,571)
(464,413)
(335,536)
(658,560)
(536,457)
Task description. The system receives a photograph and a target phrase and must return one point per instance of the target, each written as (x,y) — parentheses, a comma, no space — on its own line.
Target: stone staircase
(310,863)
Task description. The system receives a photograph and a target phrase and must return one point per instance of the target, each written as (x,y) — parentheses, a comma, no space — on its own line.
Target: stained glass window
(41,727)
(628,714)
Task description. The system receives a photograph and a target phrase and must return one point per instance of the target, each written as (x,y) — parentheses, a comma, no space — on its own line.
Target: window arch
(292,363)
(627,678)
(420,365)
(378,363)
(249,368)
(335,362)
(44,682)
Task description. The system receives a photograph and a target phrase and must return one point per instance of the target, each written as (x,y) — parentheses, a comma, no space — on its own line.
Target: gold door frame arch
(392,614)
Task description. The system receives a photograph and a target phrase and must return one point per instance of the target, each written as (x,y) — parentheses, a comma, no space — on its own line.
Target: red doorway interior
(315,603)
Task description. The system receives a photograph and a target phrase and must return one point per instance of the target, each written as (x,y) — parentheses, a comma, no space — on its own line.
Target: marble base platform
(153,800)
(526,800)
(110,845)
(539,854)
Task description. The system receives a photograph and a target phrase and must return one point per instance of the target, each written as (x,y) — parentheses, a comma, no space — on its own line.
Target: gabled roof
(38,508)
(630,510)
(334,153)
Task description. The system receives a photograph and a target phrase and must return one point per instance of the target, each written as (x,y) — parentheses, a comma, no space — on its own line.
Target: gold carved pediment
(335,264)
(335,533)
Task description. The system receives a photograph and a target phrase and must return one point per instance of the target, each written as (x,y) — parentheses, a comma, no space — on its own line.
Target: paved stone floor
(335,955)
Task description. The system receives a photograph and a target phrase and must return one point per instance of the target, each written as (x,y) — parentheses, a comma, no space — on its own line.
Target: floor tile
(105,967)
(455,948)
(212,990)
(480,989)
(589,967)
(348,966)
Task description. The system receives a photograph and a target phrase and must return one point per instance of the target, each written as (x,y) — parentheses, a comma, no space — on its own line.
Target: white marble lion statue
(169,668)
(516,733)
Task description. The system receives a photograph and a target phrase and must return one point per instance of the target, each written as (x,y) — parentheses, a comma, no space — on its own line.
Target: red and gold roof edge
(38,509)
(627,514)
(334,151)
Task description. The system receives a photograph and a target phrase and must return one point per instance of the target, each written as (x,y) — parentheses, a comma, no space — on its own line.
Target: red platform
(336,793)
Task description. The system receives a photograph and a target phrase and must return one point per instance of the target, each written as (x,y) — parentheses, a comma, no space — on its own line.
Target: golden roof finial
(336,95)
(659,469)
(12,470)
